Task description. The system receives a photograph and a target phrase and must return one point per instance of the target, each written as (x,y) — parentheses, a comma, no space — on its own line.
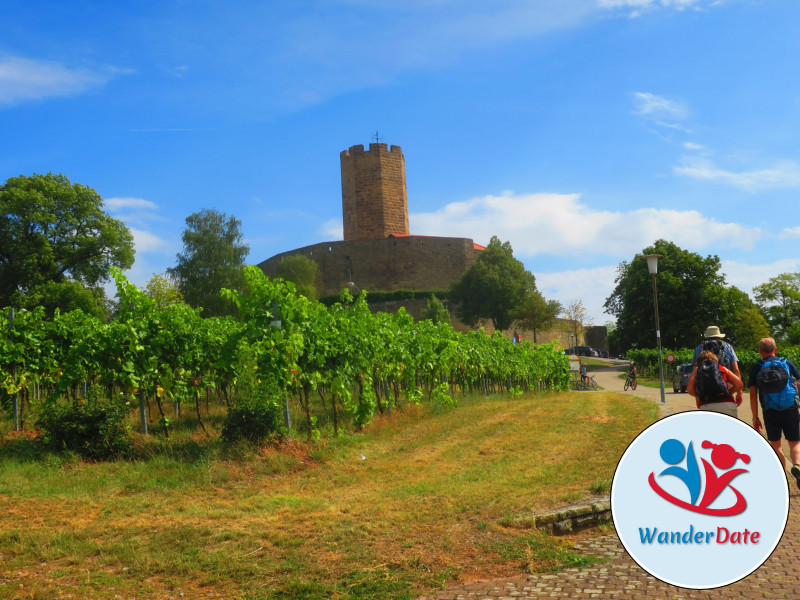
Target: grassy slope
(428,504)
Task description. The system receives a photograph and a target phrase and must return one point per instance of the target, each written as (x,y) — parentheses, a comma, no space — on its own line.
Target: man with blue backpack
(775,379)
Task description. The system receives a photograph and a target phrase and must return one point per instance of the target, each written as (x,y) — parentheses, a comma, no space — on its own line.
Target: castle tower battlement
(374,197)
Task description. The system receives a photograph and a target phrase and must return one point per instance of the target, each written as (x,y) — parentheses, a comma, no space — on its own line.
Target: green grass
(427,506)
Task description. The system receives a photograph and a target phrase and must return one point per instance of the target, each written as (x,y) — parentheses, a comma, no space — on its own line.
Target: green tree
(302,272)
(748,327)
(535,313)
(493,287)
(741,323)
(57,244)
(793,334)
(779,298)
(436,311)
(212,258)
(690,297)
(163,291)
(67,296)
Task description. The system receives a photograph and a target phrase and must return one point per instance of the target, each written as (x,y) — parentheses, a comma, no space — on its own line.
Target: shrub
(252,419)
(93,428)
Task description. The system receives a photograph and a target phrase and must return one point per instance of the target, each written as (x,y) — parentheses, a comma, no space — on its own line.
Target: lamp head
(652,263)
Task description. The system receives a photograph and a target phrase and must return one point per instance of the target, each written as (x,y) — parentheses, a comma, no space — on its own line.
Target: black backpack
(717,348)
(709,384)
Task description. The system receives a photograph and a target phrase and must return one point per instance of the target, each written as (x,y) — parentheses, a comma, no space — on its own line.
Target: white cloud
(139,214)
(332,229)
(639,7)
(146,241)
(661,110)
(790,232)
(783,174)
(692,146)
(590,286)
(560,224)
(128,202)
(746,276)
(27,79)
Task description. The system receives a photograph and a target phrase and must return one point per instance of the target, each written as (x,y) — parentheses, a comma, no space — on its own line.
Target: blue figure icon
(672,452)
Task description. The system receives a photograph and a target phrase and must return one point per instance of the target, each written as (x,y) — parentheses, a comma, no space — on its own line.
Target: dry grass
(425,506)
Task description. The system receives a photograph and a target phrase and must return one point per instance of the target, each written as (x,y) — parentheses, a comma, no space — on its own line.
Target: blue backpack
(776,385)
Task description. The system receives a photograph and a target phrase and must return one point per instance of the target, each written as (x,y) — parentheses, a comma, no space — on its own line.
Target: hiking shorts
(786,422)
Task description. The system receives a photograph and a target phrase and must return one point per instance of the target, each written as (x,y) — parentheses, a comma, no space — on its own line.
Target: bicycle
(588,384)
(630,382)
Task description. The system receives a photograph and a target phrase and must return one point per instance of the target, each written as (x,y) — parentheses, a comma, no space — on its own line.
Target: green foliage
(57,245)
(441,398)
(163,291)
(647,358)
(691,295)
(92,428)
(341,360)
(302,272)
(254,419)
(779,298)
(493,287)
(748,327)
(396,295)
(212,259)
(436,311)
(535,313)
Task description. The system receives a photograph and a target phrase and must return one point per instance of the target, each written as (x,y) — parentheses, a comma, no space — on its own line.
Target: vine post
(14,372)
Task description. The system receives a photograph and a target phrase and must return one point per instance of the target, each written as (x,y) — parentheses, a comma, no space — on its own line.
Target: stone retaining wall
(574,518)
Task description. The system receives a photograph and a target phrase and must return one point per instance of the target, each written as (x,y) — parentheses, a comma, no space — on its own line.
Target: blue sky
(579,130)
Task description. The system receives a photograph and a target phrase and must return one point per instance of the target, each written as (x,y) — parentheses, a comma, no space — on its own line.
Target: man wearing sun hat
(724,351)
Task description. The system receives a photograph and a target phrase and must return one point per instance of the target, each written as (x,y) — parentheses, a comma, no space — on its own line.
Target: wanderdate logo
(723,457)
(699,500)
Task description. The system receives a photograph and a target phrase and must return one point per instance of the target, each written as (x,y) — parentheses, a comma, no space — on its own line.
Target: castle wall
(388,264)
(374,197)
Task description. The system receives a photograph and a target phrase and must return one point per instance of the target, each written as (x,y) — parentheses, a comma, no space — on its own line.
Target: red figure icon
(724,457)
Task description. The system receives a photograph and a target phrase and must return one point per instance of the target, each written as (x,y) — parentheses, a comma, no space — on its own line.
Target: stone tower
(374,200)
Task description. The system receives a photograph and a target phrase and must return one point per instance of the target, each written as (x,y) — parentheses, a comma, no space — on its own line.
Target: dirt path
(608,379)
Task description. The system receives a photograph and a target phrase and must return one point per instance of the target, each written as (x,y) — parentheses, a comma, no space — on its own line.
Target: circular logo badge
(699,500)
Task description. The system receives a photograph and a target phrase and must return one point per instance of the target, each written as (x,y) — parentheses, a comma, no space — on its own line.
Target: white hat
(712,331)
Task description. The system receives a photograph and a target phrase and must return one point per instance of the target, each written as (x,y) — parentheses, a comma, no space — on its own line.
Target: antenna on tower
(376,137)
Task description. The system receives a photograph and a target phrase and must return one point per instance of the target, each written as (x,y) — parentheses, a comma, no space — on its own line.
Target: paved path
(622,579)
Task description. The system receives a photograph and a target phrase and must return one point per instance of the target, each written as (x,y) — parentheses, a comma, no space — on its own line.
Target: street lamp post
(652,266)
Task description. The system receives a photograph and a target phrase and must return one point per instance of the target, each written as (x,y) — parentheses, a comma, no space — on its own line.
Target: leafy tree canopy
(493,287)
(56,242)
(691,296)
(779,298)
(436,311)
(212,258)
(535,313)
(163,291)
(302,272)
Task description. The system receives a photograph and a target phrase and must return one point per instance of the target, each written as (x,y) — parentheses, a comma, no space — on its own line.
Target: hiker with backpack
(775,380)
(726,355)
(714,386)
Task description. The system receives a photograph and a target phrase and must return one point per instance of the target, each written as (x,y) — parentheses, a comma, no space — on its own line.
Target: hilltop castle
(378,253)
